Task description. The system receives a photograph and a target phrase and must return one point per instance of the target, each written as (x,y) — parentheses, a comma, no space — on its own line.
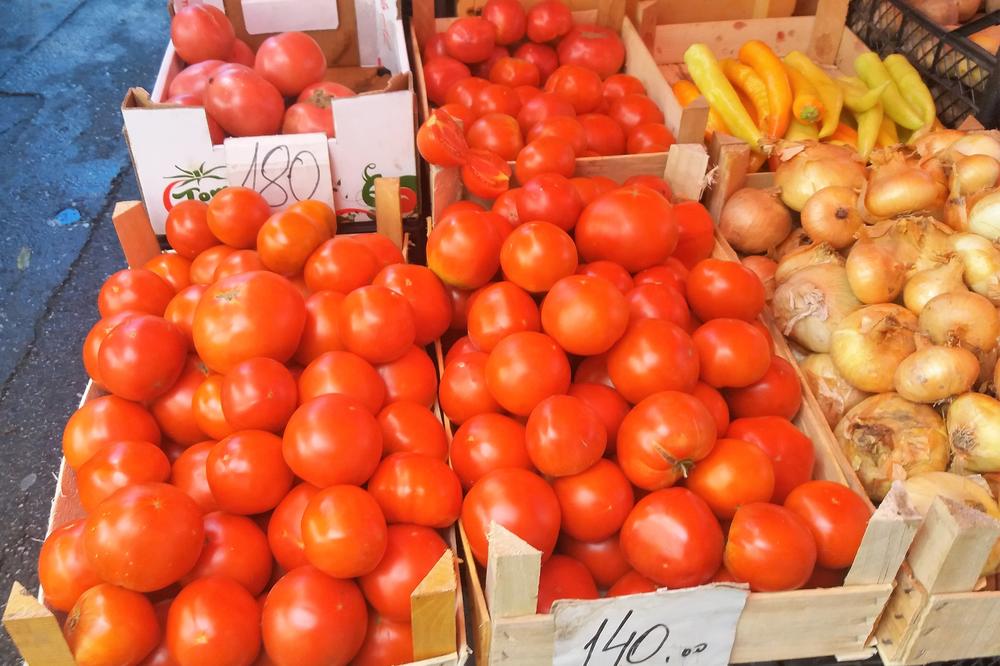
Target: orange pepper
(844,135)
(771,70)
(686,92)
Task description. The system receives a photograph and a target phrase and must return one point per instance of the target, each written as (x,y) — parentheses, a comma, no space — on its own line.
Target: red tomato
(524,369)
(284,528)
(733,474)
(662,437)
(544,155)
(603,559)
(579,86)
(434,47)
(837,518)
(144,537)
(715,404)
(141,357)
(345,373)
(770,547)
(593,370)
(376,323)
(173,268)
(441,141)
(410,377)
(63,570)
(487,442)
(411,552)
(619,85)
(416,489)
(604,136)
(459,347)
(564,436)
(258,394)
(661,275)
(179,312)
(777,393)
(542,56)
(290,61)
(470,39)
(201,32)
(566,128)
(248,315)
(508,17)
(465,91)
(410,427)
(633,227)
(203,266)
(243,102)
(213,620)
(103,421)
(536,255)
(237,263)
(386,642)
(111,625)
(190,474)
(586,188)
(791,452)
(136,289)
(332,439)
(594,47)
(340,264)
(192,80)
(440,74)
(320,94)
(306,118)
(463,251)
(386,252)
(286,240)
(633,110)
(247,473)
(485,174)
(344,531)
(649,137)
(696,237)
(463,392)
(236,214)
(632,582)
(207,406)
(586,315)
(658,301)
(496,132)
(563,577)
(459,113)
(118,465)
(731,353)
(550,197)
(311,619)
(516,499)
(241,54)
(498,310)
(609,405)
(610,271)
(187,229)
(594,502)
(320,334)
(235,547)
(548,20)
(653,355)
(717,288)
(514,72)
(544,106)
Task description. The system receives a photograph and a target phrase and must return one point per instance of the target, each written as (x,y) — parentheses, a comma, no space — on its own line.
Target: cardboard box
(175,160)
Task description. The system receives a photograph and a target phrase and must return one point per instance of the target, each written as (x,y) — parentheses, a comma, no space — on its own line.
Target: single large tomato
(180,310)
(235,547)
(717,288)
(488,442)
(777,393)
(464,251)
(63,569)
(425,294)
(319,334)
(136,289)
(103,421)
(734,473)
(118,465)
(609,405)
(247,473)
(536,255)
(514,72)
(696,233)
(173,410)
(604,559)
(586,315)
(524,369)
(237,263)
(548,154)
(604,135)
(594,47)
(508,17)
(463,392)
(290,61)
(111,625)
(594,502)
(837,518)
(386,642)
(659,301)
(579,86)
(470,39)
(190,474)
(203,266)
(791,452)
(770,547)
(564,436)
(731,353)
(498,310)
(416,489)
(609,270)
(631,226)
(541,108)
(286,240)
(662,437)
(376,323)
(496,132)
(619,85)
(562,577)
(440,74)
(565,128)
(142,357)
(649,138)
(548,20)
(213,620)
(192,80)
(630,111)
(202,32)
(653,355)
(542,56)
(258,394)
(207,406)
(550,197)
(235,215)
(412,377)
(243,102)
(344,531)
(632,582)
(411,552)
(410,427)
(96,335)
(187,229)
(284,528)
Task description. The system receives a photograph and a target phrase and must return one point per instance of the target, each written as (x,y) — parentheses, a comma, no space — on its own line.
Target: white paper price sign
(693,627)
(284,169)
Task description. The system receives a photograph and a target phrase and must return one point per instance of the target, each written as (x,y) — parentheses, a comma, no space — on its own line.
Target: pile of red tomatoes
(531,87)
(244,93)
(264,468)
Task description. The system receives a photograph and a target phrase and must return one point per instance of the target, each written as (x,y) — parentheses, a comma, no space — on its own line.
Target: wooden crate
(445,184)
(437,605)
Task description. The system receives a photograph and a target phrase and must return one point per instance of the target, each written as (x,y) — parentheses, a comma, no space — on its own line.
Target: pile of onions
(982,264)
(834,394)
(900,186)
(973,423)
(797,239)
(811,303)
(765,269)
(874,272)
(973,173)
(754,221)
(815,167)
(935,373)
(831,216)
(869,343)
(928,283)
(807,255)
(961,317)
(887,438)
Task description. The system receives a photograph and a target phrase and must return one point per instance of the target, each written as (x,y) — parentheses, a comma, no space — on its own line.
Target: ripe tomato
(440,139)
(564,436)
(508,17)
(411,552)
(434,47)
(594,47)
(236,214)
(440,74)
(386,252)
(566,128)
(103,421)
(696,231)
(633,110)
(416,489)
(470,39)
(498,310)
(543,107)
(111,625)
(246,316)
(649,137)
(715,404)
(514,72)
(332,439)
(286,240)
(658,301)
(207,406)
(235,547)
(179,312)
(411,377)
(604,136)
(487,442)
(485,174)
(311,619)
(731,353)
(63,570)
(136,289)
(465,91)
(542,56)
(594,502)
(243,102)
(607,403)
(496,132)
(653,355)
(837,518)
(118,465)
(340,264)
(619,85)
(284,528)
(516,499)
(544,155)
(190,474)
(586,315)
(173,268)
(459,113)
(563,577)
(536,255)
(237,263)
(463,251)
(593,370)
(548,20)
(290,61)
(410,427)
(203,266)
(306,117)
(770,547)
(96,335)
(672,538)
(666,274)
(320,333)
(187,229)
(662,437)
(463,392)
(144,537)
(777,393)
(192,80)
(550,197)
(321,93)
(258,394)
(376,323)
(790,451)
(610,271)
(386,642)
(717,288)
(483,67)
(524,369)
(631,226)
(579,86)
(247,473)
(632,582)
(344,531)
(201,32)
(733,474)
(213,620)
(603,559)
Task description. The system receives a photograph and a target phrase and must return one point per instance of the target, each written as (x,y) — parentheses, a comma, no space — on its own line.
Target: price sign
(283,169)
(693,627)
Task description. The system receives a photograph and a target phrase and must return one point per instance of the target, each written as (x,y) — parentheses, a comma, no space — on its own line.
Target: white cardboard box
(175,160)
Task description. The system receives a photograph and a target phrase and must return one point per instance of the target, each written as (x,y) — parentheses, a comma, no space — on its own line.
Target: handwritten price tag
(693,627)
(283,169)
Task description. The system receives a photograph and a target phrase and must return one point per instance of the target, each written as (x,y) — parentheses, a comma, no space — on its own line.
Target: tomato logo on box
(192,184)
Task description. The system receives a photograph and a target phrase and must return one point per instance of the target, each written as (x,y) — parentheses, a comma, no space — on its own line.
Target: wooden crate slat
(34,630)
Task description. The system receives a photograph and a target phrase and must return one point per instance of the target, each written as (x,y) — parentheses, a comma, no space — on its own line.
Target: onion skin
(984,217)
(754,221)
(811,303)
(936,373)
(982,264)
(831,215)
(974,173)
(898,187)
(874,273)
(977,143)
(765,269)
(937,142)
(796,240)
(888,438)
(817,166)
(926,284)
(834,394)
(962,317)
(809,255)
(973,423)
(869,344)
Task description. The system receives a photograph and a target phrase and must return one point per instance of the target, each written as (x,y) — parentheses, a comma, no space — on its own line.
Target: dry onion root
(888,438)
(961,317)
(809,255)
(868,345)
(834,394)
(831,215)
(754,221)
(973,423)
(810,304)
(928,283)
(935,373)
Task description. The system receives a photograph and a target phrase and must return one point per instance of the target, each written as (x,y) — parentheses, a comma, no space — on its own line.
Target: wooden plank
(644,18)
(730,160)
(610,13)
(957,626)
(685,11)
(952,546)
(824,42)
(388,218)
(135,233)
(523,641)
(726,37)
(621,167)
(34,630)
(685,170)
(482,628)
(445,186)
(432,610)
(887,539)
(512,573)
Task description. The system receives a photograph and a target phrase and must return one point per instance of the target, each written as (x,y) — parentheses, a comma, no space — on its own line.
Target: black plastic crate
(962,76)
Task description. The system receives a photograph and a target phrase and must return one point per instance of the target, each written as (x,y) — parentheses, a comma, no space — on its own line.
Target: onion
(984,217)
(831,215)
(977,143)
(811,303)
(973,173)
(809,255)
(887,438)
(936,142)
(874,272)
(935,373)
(834,394)
(931,282)
(795,240)
(899,187)
(868,345)
(974,433)
(764,268)
(961,317)
(996,378)
(754,221)
(815,167)
(982,264)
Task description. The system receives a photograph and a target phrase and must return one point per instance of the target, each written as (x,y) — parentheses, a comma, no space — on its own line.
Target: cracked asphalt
(64,68)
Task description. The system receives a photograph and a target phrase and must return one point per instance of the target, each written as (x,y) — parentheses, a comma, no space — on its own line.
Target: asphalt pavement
(64,68)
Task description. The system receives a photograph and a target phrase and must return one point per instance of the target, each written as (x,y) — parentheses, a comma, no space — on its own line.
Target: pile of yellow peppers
(762,98)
